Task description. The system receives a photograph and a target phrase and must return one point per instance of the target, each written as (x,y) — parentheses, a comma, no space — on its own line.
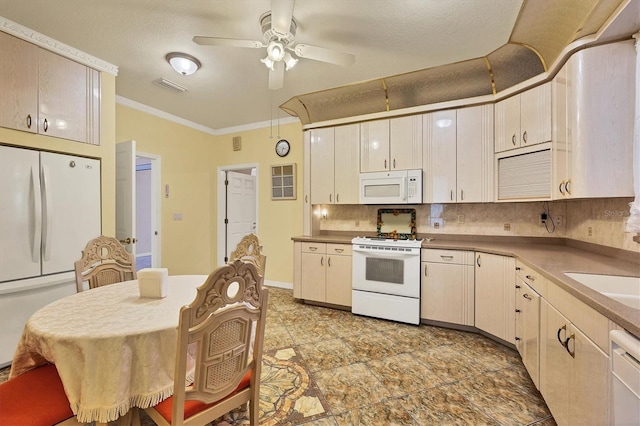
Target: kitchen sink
(623,289)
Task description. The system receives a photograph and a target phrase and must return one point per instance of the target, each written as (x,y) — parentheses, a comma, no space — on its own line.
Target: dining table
(114,350)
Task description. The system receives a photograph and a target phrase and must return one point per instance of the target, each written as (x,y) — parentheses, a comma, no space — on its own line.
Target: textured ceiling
(408,52)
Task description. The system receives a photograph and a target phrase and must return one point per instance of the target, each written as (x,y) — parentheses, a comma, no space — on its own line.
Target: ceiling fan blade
(276,77)
(324,55)
(281,15)
(232,42)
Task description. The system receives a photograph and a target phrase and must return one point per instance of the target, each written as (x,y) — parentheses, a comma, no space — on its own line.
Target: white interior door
(126,194)
(241,207)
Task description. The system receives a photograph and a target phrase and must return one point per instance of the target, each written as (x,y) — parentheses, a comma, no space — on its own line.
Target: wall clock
(282,147)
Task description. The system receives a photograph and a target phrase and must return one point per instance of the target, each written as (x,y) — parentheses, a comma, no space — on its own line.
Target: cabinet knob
(567,187)
(564,327)
(478,261)
(560,187)
(330,198)
(530,277)
(517,338)
(518,311)
(462,195)
(513,139)
(526,296)
(337,198)
(394,163)
(524,137)
(517,286)
(571,352)
(46,124)
(385,164)
(28,121)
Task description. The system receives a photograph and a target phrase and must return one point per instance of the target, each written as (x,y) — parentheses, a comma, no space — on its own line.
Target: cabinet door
(507,124)
(374,146)
(322,166)
(555,362)
(528,328)
(440,159)
(347,159)
(474,154)
(307,213)
(535,115)
(297,270)
(18,83)
(338,280)
(62,97)
(313,276)
(495,295)
(589,395)
(405,142)
(447,293)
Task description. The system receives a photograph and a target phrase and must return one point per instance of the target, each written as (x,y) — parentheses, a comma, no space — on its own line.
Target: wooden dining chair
(104,261)
(249,248)
(35,398)
(222,333)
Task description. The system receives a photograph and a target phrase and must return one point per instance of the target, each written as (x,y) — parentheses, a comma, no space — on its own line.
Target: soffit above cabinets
(542,32)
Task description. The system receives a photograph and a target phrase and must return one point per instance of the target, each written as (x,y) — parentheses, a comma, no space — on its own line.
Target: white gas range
(386,278)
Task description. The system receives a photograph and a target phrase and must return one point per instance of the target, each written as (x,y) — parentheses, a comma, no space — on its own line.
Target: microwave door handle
(403,189)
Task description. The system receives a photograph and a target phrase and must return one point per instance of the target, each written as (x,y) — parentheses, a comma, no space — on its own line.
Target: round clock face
(282,147)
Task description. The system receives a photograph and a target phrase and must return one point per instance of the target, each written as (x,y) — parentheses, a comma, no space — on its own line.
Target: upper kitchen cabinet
(458,159)
(18,84)
(334,165)
(46,93)
(394,144)
(523,119)
(593,126)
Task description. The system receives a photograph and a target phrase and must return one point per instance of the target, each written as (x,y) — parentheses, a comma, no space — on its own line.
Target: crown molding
(55,46)
(216,132)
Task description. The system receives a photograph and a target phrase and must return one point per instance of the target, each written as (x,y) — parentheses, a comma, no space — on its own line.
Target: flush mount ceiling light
(183,63)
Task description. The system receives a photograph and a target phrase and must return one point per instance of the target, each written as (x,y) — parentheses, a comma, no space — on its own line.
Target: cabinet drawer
(533,278)
(447,256)
(314,247)
(339,249)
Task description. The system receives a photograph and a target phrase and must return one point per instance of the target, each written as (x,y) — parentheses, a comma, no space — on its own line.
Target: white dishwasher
(625,378)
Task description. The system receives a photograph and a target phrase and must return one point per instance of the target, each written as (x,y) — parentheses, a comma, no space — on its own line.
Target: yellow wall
(190,161)
(105,151)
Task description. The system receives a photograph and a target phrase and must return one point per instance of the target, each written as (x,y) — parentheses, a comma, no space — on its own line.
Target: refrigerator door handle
(37,214)
(47,214)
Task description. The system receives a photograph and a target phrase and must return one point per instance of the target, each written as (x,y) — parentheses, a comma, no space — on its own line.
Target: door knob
(128,240)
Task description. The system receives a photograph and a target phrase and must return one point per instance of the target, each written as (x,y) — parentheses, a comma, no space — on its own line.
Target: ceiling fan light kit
(183,63)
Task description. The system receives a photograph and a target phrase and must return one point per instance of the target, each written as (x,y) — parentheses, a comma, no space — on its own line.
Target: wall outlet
(590,232)
(460,218)
(507,227)
(558,220)
(437,223)
(543,219)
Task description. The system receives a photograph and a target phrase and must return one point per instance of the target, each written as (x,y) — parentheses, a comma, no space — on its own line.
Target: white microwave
(393,187)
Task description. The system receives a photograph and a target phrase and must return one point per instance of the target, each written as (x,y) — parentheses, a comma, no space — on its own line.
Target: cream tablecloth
(113,349)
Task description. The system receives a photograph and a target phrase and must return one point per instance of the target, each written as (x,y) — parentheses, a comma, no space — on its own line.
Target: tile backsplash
(598,221)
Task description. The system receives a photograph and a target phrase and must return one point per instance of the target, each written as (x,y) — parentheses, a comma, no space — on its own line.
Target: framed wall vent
(283,182)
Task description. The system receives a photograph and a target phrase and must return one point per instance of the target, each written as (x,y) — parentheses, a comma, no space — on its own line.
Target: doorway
(147,210)
(237,206)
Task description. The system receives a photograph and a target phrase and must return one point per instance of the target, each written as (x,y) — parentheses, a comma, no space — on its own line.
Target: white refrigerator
(49,210)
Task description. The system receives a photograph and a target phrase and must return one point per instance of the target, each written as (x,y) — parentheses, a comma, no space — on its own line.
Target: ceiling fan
(279,31)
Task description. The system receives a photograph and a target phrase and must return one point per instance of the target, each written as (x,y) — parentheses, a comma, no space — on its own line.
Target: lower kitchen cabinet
(574,372)
(447,292)
(495,295)
(528,328)
(325,273)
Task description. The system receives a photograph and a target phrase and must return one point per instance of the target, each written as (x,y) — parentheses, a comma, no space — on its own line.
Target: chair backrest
(104,261)
(249,248)
(222,332)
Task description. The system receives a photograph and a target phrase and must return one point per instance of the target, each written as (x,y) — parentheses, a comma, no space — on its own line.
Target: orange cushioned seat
(194,407)
(34,398)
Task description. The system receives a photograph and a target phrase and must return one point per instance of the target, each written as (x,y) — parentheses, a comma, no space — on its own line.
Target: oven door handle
(386,253)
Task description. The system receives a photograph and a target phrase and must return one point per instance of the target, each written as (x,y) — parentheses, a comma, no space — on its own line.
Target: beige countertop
(551,260)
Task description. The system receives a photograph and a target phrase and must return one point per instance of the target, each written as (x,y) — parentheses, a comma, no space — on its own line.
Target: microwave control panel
(413,187)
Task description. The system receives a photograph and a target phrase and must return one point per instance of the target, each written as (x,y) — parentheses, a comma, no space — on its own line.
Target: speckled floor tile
(327,354)
(338,385)
(546,422)
(444,406)
(387,413)
(492,355)
(311,331)
(506,402)
(371,345)
(448,363)
(402,374)
(351,325)
(411,339)
(276,337)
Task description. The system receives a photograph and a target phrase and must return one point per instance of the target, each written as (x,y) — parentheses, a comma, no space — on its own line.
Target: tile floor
(377,372)
(363,371)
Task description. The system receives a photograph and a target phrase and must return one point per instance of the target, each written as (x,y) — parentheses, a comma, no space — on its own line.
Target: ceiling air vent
(168,84)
